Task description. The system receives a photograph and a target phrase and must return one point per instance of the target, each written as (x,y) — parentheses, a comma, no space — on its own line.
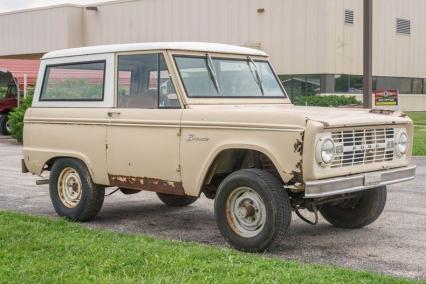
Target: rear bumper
(346,184)
(24,168)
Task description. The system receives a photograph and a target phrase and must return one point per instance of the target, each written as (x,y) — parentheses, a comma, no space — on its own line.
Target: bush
(326,101)
(16,118)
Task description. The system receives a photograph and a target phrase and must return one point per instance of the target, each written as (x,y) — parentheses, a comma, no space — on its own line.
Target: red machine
(15,76)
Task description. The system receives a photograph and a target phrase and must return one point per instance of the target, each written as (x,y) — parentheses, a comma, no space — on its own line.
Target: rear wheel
(72,191)
(356,212)
(252,209)
(176,200)
(5,128)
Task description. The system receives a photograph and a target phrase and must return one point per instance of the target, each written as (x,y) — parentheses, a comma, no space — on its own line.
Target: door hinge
(179,133)
(178,169)
(106,146)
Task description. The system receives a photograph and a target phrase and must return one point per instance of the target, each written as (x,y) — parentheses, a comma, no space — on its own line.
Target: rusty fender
(148,184)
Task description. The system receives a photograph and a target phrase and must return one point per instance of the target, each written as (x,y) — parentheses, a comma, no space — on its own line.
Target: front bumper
(346,184)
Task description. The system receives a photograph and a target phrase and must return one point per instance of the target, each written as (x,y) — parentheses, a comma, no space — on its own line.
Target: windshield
(206,77)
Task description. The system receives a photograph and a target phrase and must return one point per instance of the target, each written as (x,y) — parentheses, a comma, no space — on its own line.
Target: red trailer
(15,76)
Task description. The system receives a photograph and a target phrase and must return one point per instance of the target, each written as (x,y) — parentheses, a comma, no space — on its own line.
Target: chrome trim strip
(160,123)
(340,185)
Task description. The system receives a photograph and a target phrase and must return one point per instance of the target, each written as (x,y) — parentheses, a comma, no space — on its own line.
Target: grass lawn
(419,120)
(40,250)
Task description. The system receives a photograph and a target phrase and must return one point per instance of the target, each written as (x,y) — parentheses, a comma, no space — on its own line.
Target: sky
(12,5)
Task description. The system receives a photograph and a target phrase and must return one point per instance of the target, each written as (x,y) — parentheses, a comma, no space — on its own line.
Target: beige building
(315,45)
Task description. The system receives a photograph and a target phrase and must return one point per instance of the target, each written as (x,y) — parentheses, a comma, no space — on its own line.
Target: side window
(12,90)
(144,82)
(74,82)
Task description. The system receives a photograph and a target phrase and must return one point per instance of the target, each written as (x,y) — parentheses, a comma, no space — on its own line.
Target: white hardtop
(184,46)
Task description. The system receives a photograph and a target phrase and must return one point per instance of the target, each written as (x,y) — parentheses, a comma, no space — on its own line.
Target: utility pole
(368,54)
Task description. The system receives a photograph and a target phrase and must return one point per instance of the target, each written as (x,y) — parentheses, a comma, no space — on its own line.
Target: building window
(349,17)
(404,85)
(417,86)
(308,85)
(349,83)
(301,85)
(403,26)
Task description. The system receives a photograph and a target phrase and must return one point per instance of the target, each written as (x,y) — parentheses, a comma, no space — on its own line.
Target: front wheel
(72,191)
(356,212)
(252,209)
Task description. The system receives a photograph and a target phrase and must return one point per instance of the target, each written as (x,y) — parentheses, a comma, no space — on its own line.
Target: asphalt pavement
(395,244)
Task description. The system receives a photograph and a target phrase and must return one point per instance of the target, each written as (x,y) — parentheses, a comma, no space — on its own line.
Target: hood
(328,116)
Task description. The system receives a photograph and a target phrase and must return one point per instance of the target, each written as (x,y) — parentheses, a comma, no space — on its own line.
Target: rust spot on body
(297,179)
(148,184)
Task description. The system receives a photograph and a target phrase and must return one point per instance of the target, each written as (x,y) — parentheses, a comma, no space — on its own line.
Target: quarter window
(74,82)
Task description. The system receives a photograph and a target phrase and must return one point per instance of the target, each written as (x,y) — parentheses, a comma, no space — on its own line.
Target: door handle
(112,113)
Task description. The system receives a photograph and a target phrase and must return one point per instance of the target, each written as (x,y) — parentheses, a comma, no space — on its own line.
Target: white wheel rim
(246,212)
(69,187)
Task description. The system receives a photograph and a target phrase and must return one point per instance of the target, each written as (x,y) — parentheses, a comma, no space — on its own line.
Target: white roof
(187,46)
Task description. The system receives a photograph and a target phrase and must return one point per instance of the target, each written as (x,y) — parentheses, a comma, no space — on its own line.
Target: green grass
(419,120)
(40,250)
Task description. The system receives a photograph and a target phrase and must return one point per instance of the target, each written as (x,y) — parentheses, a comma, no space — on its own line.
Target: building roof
(186,46)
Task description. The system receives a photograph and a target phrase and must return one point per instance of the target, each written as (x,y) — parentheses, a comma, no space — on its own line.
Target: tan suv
(182,119)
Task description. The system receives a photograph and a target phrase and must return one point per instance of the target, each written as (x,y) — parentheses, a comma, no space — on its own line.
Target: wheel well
(48,165)
(231,160)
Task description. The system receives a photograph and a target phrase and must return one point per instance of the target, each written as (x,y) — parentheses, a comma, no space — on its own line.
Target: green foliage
(419,144)
(16,117)
(326,101)
(40,250)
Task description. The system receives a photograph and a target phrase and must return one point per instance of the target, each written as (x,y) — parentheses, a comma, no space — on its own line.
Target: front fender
(281,147)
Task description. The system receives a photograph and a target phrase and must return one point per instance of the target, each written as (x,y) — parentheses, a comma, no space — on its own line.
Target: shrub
(326,101)
(16,118)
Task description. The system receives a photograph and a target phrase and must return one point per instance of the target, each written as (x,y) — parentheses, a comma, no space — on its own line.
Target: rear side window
(74,82)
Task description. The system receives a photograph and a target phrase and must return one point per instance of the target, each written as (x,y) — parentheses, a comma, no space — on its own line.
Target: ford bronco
(182,119)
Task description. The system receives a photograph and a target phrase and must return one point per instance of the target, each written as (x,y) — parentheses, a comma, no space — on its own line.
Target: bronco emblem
(192,137)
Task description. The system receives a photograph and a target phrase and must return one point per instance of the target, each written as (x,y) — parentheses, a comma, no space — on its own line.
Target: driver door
(143,136)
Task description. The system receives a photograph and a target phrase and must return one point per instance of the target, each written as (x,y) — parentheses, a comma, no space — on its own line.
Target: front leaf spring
(314,209)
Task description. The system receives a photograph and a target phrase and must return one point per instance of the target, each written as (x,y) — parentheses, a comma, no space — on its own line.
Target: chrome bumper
(340,185)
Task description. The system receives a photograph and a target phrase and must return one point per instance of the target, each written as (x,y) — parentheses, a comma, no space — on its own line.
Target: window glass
(341,83)
(355,84)
(77,81)
(218,77)
(144,82)
(301,85)
(417,86)
(3,92)
(402,84)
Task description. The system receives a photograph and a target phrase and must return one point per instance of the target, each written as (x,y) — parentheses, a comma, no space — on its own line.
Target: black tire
(276,204)
(3,125)
(176,200)
(92,195)
(357,212)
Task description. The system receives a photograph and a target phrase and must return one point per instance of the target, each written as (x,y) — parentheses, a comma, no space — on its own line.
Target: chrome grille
(363,146)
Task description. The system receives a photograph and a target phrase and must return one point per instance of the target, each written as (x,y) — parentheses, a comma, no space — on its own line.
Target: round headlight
(327,151)
(402,143)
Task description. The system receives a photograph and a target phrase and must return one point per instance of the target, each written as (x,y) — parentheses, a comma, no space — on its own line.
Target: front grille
(363,146)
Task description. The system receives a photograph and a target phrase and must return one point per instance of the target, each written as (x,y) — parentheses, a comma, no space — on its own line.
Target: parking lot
(395,244)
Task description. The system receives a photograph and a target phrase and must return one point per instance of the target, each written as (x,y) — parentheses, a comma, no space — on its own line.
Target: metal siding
(301,36)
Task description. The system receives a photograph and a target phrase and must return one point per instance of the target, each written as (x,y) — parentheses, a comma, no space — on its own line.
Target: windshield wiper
(212,72)
(258,78)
